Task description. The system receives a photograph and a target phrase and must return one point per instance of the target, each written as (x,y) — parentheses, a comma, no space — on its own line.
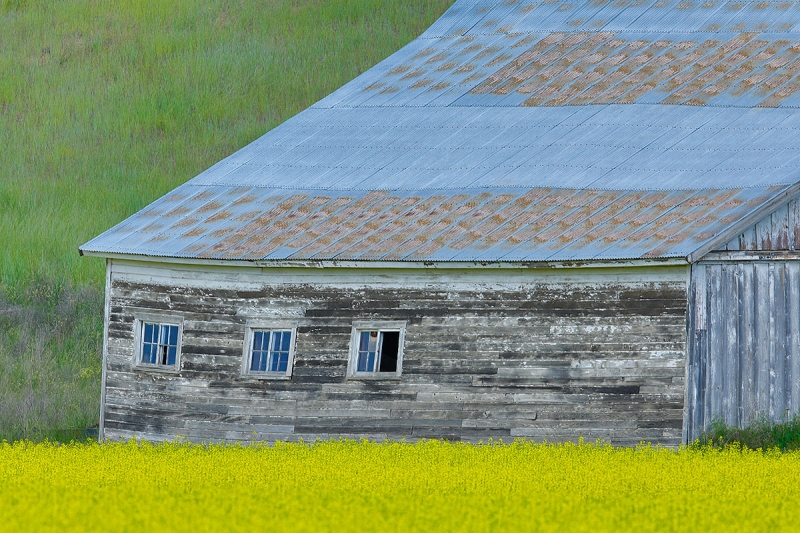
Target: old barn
(540,219)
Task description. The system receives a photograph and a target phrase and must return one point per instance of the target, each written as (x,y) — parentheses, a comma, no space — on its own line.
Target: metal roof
(556,53)
(603,147)
(515,131)
(536,224)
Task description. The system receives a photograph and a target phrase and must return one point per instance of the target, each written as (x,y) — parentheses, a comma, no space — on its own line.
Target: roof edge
(394,265)
(789,192)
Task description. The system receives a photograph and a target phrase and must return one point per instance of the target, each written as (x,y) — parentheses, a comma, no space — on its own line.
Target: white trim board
(254,278)
(424,265)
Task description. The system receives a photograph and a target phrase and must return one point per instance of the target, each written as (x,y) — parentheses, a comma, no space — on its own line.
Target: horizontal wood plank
(545,357)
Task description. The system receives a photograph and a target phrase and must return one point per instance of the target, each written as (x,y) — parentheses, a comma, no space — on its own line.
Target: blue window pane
(259,357)
(171,354)
(279,340)
(284,362)
(363,345)
(274,362)
(173,336)
(149,330)
(366,361)
(265,339)
(255,350)
(285,343)
(148,354)
(367,351)
(276,341)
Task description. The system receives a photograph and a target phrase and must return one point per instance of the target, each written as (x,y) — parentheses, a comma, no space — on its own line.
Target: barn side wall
(553,354)
(744,350)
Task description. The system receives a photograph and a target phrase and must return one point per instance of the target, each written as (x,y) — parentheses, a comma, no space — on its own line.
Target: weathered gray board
(780,230)
(540,353)
(744,331)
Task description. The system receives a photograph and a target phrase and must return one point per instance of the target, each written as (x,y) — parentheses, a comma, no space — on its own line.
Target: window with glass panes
(159,344)
(270,351)
(377,351)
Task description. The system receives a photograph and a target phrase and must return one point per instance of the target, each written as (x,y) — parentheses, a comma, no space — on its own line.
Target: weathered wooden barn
(540,219)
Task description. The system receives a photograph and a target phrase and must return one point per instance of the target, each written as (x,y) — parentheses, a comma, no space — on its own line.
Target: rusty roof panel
(649,65)
(502,224)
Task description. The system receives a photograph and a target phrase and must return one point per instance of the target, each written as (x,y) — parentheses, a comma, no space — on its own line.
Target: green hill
(104,107)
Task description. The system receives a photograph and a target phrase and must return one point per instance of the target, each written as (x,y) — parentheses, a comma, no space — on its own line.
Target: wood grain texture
(744,358)
(780,230)
(525,355)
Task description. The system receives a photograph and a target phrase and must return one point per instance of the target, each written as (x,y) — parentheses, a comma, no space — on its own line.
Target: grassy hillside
(105,106)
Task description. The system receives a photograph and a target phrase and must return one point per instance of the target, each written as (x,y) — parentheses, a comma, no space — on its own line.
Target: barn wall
(550,354)
(744,353)
(779,230)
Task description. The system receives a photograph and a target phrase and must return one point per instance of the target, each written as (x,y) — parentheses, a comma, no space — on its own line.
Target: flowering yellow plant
(364,486)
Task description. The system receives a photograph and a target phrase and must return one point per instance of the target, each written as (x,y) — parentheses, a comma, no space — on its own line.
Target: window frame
(380,326)
(138,347)
(251,327)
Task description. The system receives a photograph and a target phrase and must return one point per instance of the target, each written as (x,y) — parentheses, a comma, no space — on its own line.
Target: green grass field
(104,107)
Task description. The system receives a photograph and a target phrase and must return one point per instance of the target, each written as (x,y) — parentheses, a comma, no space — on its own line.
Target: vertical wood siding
(744,352)
(538,357)
(780,230)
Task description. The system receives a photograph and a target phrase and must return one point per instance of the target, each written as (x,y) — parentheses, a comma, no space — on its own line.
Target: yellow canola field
(363,486)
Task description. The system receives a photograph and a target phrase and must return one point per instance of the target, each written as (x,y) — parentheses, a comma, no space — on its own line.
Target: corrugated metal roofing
(515,131)
(744,69)
(602,147)
(538,224)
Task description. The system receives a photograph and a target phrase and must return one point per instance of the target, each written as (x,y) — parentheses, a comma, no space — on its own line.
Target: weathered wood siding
(780,230)
(550,354)
(744,354)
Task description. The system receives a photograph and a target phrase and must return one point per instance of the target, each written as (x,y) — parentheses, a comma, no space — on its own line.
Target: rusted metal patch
(222,214)
(253,233)
(185,222)
(532,224)
(579,68)
(315,224)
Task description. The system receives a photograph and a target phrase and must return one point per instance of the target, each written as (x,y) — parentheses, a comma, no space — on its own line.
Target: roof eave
(383,264)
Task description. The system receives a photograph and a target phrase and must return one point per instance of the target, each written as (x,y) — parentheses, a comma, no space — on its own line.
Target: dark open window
(378,351)
(389,347)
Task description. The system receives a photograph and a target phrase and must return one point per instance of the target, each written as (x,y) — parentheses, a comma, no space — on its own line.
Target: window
(158,342)
(269,353)
(376,350)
